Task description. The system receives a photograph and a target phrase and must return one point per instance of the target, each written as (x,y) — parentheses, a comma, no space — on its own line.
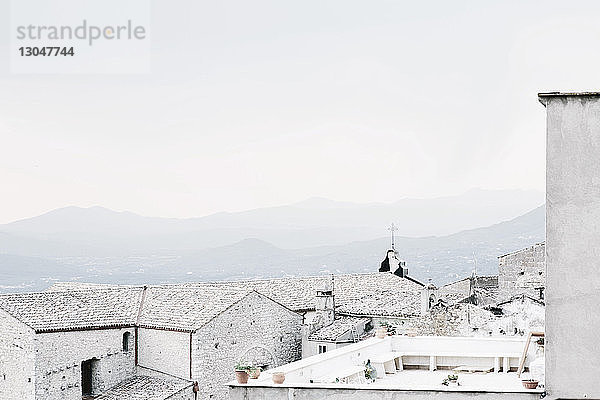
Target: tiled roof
(485,290)
(338,328)
(520,298)
(385,303)
(75,309)
(350,290)
(146,388)
(186,308)
(173,307)
(376,293)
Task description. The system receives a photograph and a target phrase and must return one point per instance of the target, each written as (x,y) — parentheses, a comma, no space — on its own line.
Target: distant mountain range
(439,238)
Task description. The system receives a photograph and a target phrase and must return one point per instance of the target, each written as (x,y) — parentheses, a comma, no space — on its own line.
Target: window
(322,348)
(126,341)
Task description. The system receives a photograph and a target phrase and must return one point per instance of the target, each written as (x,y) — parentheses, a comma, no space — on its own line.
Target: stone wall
(234,335)
(59,358)
(455,291)
(456,320)
(522,272)
(165,351)
(17,359)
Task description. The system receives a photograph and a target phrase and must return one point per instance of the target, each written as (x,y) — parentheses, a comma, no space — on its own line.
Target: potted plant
(451,379)
(254,372)
(278,377)
(529,383)
(370,372)
(241,372)
(382,331)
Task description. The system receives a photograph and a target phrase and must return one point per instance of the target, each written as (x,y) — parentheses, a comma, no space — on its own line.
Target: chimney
(325,303)
(428,297)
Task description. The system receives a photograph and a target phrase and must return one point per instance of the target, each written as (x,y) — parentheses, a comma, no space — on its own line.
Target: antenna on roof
(393,228)
(332,284)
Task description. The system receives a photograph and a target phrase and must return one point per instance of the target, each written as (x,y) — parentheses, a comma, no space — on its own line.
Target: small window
(322,349)
(126,336)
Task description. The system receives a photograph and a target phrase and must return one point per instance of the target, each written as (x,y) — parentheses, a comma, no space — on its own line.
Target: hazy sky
(257,103)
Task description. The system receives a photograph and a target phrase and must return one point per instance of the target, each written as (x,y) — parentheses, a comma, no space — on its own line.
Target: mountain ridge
(441,258)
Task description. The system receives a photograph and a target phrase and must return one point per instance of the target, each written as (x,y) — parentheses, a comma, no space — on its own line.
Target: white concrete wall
(17,359)
(323,364)
(461,345)
(312,347)
(572,246)
(300,393)
(165,351)
(59,358)
(315,367)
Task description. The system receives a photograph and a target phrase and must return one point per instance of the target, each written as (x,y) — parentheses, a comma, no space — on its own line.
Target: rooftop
(176,308)
(355,294)
(186,308)
(425,360)
(560,94)
(528,248)
(545,97)
(338,328)
(75,309)
(146,388)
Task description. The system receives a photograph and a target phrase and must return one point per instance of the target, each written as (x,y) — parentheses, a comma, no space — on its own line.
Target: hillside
(33,262)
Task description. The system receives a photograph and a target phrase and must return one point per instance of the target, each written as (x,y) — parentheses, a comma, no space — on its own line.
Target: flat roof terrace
(406,367)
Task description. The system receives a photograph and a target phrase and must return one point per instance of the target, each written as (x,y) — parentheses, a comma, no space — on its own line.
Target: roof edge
(544,97)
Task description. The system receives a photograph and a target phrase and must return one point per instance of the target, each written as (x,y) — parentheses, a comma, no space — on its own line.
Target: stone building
(65,344)
(523,272)
(329,303)
(62,345)
(200,333)
(476,289)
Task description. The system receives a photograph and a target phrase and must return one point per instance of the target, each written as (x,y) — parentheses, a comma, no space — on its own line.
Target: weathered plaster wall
(59,358)
(17,359)
(522,271)
(165,351)
(572,250)
(256,321)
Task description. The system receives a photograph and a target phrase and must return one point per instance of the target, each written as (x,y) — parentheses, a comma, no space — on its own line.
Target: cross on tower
(393,228)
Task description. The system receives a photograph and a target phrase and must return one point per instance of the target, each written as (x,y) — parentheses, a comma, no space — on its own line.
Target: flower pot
(278,377)
(381,332)
(255,373)
(530,384)
(241,376)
